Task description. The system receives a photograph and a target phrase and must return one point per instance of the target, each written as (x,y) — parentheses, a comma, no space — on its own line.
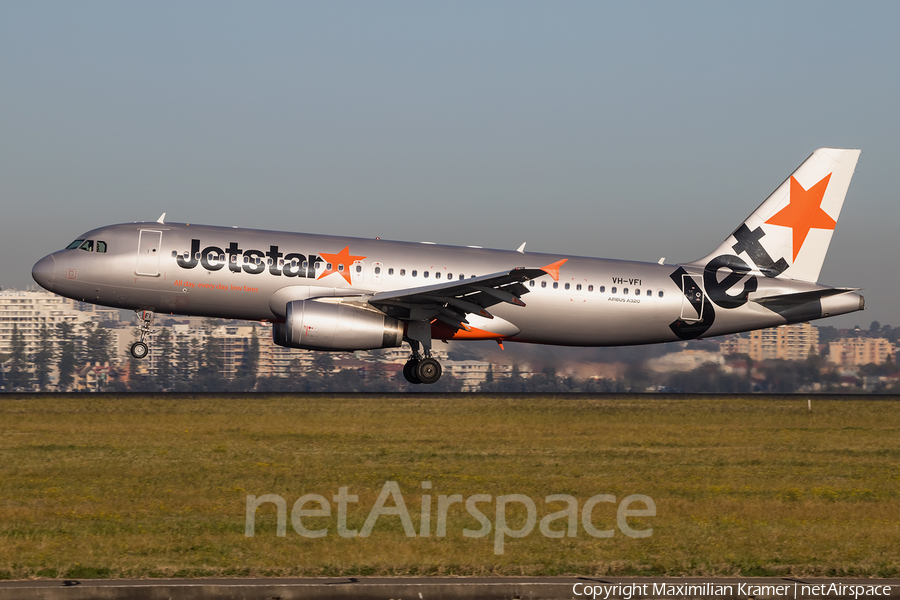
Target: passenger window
(461,276)
(578,288)
(602,289)
(359,268)
(637,292)
(197,256)
(612,290)
(437,275)
(425,274)
(88,246)
(543,284)
(174,253)
(660,293)
(305,264)
(391,271)
(340,267)
(625,291)
(74,245)
(328,266)
(402,272)
(649,293)
(590,288)
(531,283)
(319,265)
(567,286)
(101,246)
(246,260)
(280,261)
(449,275)
(378,270)
(555,285)
(414,273)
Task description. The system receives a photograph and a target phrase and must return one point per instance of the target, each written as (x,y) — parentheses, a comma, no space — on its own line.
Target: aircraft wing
(450,302)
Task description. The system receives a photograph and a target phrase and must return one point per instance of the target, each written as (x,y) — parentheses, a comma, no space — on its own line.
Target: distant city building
(234,341)
(401,355)
(274,360)
(29,310)
(472,373)
(786,342)
(735,345)
(860,351)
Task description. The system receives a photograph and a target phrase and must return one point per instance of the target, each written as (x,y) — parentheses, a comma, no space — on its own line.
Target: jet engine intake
(326,326)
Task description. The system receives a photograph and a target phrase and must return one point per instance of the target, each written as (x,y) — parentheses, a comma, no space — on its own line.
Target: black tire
(409,371)
(139,350)
(428,370)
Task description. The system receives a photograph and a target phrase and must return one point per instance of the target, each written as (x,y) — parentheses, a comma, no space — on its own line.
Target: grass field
(157,486)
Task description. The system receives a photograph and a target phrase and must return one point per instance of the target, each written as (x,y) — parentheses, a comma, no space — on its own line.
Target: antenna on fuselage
(522,248)
(162,219)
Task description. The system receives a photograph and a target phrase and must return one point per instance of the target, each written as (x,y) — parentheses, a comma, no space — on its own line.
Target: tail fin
(788,235)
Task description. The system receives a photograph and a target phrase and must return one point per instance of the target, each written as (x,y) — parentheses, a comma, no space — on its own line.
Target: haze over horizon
(633,131)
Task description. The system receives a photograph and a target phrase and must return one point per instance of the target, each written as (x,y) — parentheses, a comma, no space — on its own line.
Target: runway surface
(450,588)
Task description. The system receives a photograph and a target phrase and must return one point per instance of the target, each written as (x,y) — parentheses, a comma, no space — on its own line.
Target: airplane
(331,293)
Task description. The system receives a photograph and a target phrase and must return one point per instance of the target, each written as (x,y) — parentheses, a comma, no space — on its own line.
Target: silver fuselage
(249,274)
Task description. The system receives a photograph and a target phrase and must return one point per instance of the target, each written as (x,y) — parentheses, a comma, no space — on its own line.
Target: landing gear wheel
(428,370)
(139,350)
(409,371)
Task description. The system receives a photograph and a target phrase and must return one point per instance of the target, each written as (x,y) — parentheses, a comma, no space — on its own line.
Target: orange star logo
(804,212)
(340,263)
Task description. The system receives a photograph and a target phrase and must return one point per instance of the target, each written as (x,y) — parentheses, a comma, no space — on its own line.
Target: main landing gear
(139,349)
(419,368)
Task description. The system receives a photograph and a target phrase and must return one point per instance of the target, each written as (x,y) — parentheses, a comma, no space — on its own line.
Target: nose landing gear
(140,349)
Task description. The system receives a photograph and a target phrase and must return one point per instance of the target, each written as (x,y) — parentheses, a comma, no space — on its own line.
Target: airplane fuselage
(251,274)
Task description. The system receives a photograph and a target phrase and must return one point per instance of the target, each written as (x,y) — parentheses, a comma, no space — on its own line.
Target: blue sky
(626,130)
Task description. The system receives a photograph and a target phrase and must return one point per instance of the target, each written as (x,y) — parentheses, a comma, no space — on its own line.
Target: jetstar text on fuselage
(293,264)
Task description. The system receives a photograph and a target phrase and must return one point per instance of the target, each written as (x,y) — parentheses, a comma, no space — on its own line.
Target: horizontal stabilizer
(803,297)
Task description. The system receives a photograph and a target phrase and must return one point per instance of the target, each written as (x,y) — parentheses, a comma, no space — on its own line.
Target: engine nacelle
(325,326)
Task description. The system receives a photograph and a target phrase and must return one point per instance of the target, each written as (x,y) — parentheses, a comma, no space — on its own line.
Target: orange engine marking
(442,331)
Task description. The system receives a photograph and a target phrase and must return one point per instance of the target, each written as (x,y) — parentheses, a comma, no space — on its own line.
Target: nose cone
(42,272)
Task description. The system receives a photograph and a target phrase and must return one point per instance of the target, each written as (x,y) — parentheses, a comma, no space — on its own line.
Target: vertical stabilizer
(788,235)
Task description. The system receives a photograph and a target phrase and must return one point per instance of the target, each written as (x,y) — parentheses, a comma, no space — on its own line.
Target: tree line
(30,371)
(188,364)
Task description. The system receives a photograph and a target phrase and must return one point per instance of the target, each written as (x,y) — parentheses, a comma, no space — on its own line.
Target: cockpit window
(101,246)
(88,245)
(74,245)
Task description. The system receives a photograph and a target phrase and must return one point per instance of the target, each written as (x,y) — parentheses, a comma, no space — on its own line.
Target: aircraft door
(691,301)
(148,253)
